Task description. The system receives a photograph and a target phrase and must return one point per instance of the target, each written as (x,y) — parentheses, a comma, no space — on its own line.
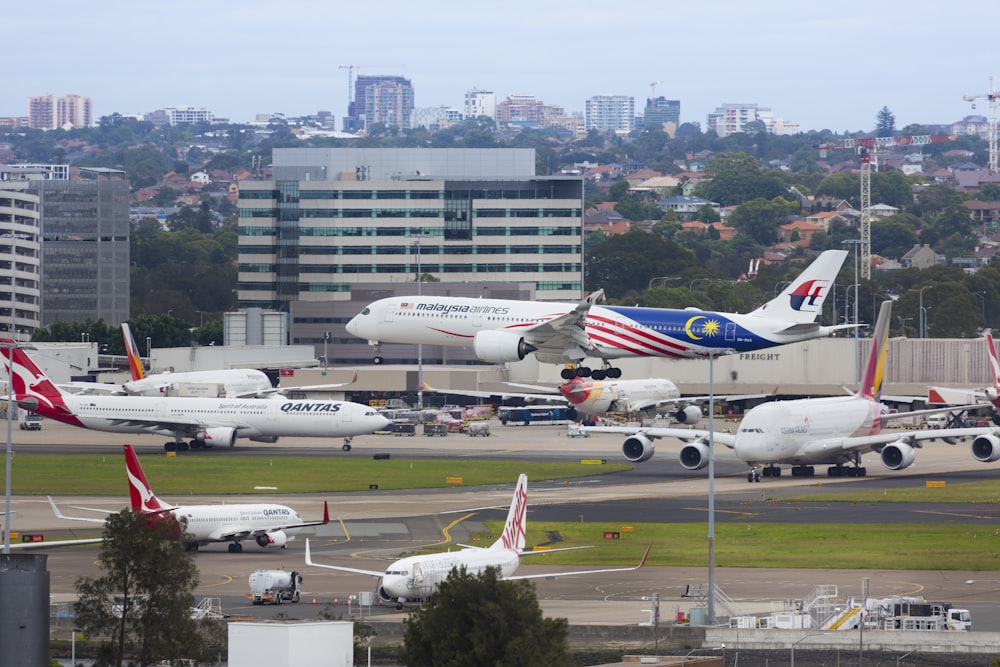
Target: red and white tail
(31,386)
(132,351)
(516,525)
(993,392)
(144,500)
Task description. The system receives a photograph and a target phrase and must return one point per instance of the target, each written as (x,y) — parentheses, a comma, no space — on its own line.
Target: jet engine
(992,394)
(218,435)
(637,448)
(897,455)
(694,455)
(500,346)
(986,448)
(688,415)
(277,538)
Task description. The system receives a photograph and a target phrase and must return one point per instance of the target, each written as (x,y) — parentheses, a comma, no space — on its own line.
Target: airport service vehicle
(29,421)
(806,432)
(192,422)
(267,524)
(477,429)
(556,414)
(415,578)
(989,396)
(274,586)
(901,612)
(502,330)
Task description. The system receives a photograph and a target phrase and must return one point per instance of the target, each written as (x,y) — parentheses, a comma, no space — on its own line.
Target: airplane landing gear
(347,445)
(377,360)
(608,372)
(235,547)
(753,475)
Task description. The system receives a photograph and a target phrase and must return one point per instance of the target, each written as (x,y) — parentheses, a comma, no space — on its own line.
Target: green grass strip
(97,475)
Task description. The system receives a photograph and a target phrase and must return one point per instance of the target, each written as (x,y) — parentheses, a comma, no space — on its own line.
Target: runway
(373,528)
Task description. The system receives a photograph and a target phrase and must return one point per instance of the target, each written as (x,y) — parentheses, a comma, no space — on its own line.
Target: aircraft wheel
(170,446)
(232,547)
(598,374)
(183,446)
(377,361)
(567,373)
(614,373)
(862,471)
(346,448)
(583,372)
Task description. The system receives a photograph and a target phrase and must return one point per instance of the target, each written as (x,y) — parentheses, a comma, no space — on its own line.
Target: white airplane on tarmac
(811,431)
(989,396)
(502,330)
(205,421)
(267,524)
(415,578)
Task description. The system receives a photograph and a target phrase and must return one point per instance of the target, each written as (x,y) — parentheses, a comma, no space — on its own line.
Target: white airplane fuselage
(804,431)
(250,417)
(599,396)
(416,578)
(213,523)
(616,331)
(235,381)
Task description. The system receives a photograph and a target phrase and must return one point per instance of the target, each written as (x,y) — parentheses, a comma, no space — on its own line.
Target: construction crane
(991,128)
(867,147)
(652,91)
(350,78)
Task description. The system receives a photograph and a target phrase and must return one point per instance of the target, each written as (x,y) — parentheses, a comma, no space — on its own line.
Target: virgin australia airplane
(206,421)
(415,578)
(502,330)
(811,431)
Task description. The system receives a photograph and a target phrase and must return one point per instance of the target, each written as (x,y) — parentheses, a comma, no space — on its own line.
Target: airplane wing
(266,393)
(554,575)
(353,570)
(565,331)
(325,520)
(553,398)
(683,434)
(913,438)
(51,544)
(60,515)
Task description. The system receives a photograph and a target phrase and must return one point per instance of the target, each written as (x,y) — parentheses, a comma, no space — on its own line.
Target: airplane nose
(352,326)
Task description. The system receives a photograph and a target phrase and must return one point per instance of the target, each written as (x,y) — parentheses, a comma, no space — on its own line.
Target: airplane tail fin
(143,499)
(132,351)
(515,527)
(993,392)
(31,387)
(803,299)
(871,386)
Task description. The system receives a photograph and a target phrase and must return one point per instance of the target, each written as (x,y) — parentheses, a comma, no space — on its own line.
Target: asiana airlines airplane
(501,330)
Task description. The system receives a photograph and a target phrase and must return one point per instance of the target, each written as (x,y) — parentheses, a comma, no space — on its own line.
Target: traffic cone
(335,603)
(314,600)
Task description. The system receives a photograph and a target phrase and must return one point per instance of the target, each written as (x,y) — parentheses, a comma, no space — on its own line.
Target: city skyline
(830,67)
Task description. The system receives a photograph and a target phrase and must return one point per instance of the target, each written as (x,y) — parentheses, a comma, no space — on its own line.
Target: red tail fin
(30,384)
(144,500)
(993,391)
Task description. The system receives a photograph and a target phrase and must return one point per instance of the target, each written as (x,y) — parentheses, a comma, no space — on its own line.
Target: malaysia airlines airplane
(595,398)
(415,578)
(810,431)
(267,524)
(988,396)
(502,330)
(204,421)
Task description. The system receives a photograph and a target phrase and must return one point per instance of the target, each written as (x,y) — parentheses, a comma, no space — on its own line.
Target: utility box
(297,644)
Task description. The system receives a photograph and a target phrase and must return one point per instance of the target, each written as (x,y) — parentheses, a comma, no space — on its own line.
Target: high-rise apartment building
(730,118)
(380,99)
(610,113)
(662,114)
(48,112)
(74,111)
(523,110)
(480,103)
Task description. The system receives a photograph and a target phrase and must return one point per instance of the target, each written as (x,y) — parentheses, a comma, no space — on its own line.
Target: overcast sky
(829,65)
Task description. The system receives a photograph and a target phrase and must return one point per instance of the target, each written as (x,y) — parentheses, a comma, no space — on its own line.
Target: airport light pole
(711,482)
(923,312)
(10,383)
(420,346)
(803,638)
(662,280)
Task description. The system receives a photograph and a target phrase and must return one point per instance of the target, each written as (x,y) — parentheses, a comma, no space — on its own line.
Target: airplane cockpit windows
(366,311)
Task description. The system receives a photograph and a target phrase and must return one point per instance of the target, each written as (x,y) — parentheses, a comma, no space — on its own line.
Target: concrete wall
(312,644)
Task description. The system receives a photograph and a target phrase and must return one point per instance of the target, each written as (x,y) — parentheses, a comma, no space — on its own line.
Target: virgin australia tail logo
(805,295)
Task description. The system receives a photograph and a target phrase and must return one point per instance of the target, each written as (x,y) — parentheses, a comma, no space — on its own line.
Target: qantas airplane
(415,578)
(988,396)
(501,330)
(267,524)
(806,432)
(205,421)
(595,398)
(236,382)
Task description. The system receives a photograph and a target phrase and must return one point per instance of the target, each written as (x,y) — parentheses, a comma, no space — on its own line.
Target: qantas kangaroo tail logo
(803,299)
(132,351)
(32,389)
(143,499)
(515,527)
(871,386)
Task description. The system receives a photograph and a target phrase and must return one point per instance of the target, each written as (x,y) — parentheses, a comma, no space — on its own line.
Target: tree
(885,123)
(482,620)
(143,600)
(760,218)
